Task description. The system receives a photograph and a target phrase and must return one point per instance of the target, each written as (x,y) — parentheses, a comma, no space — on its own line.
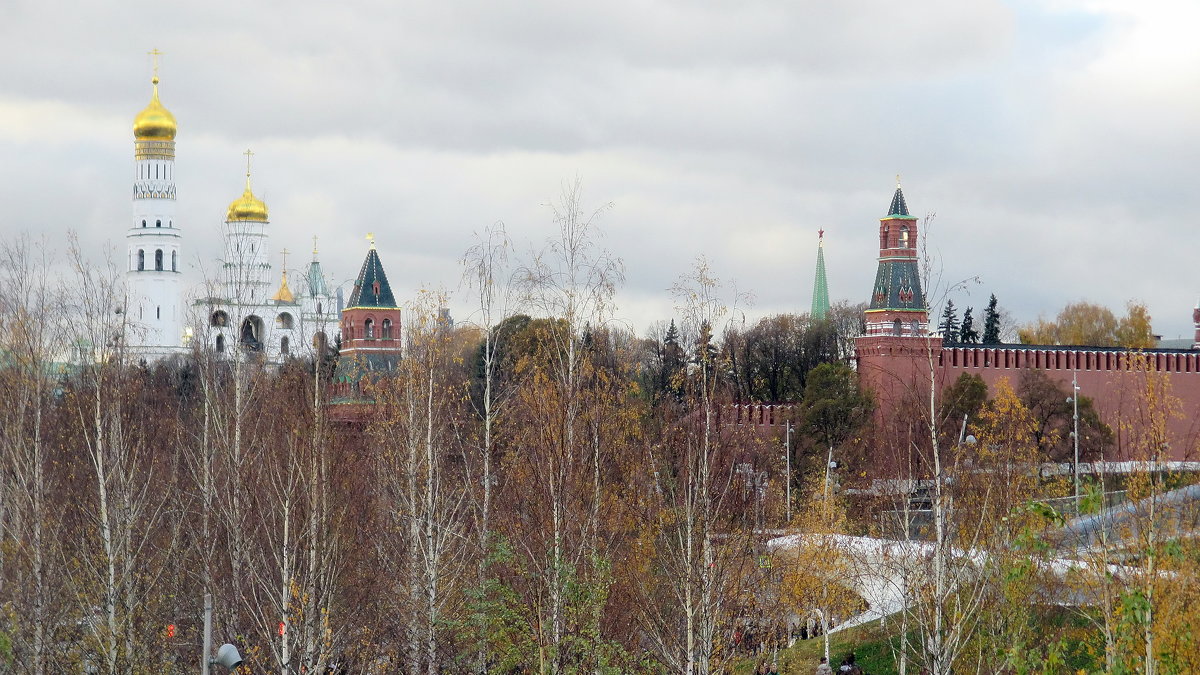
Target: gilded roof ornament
(247,207)
(284,294)
(154,122)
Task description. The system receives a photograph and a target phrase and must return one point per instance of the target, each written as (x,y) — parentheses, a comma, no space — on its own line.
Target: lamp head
(228,656)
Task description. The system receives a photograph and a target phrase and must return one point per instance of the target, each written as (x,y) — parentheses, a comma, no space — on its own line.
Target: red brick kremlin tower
(897,303)
(894,352)
(371,319)
(371,340)
(899,361)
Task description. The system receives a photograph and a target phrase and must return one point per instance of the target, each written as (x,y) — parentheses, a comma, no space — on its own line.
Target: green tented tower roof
(820,296)
(898,209)
(372,289)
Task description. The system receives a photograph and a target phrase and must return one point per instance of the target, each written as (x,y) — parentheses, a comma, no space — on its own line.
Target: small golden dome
(155,123)
(247,207)
(284,294)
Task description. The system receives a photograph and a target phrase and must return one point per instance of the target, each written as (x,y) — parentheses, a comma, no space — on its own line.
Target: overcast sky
(1057,142)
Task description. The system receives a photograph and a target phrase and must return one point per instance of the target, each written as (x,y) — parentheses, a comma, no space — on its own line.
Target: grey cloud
(713,127)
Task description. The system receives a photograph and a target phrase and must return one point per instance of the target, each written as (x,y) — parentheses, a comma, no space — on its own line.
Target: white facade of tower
(249,317)
(247,271)
(154,286)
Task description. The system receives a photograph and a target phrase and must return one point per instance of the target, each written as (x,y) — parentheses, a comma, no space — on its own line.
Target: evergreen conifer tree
(949,324)
(967,333)
(673,361)
(991,323)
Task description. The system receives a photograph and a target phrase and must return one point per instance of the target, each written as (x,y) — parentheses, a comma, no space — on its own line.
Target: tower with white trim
(154,286)
(897,303)
(245,317)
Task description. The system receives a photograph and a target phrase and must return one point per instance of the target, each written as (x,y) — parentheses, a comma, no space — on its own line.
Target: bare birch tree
(127,509)
(571,281)
(424,497)
(692,472)
(485,269)
(32,337)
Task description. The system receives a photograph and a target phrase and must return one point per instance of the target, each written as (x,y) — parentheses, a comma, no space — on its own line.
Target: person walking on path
(824,668)
(848,666)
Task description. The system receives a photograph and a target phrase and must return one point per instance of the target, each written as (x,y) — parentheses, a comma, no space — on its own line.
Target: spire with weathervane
(820,296)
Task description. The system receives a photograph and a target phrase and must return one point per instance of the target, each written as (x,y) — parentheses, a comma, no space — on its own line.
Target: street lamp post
(206,655)
(227,655)
(829,466)
(1074,400)
(787,449)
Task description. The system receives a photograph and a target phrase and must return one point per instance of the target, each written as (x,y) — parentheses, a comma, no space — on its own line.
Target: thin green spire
(820,297)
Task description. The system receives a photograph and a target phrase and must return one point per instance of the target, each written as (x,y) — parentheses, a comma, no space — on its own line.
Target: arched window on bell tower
(141,259)
(158,260)
(174,261)
(904,236)
(897,327)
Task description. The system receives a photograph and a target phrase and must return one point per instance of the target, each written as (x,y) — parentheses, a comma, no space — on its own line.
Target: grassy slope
(869,645)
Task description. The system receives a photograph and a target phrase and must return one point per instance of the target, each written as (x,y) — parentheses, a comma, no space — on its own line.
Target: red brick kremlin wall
(898,368)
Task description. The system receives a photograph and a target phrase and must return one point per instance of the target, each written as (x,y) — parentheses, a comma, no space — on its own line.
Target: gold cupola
(284,294)
(247,207)
(155,122)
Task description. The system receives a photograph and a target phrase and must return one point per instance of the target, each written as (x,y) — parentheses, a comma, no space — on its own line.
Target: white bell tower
(154,285)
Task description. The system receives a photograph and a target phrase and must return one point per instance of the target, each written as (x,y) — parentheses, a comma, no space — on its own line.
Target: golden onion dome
(247,207)
(154,123)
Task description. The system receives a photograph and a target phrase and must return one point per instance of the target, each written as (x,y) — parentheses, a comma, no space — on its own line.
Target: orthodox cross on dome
(248,153)
(285,255)
(371,238)
(154,54)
